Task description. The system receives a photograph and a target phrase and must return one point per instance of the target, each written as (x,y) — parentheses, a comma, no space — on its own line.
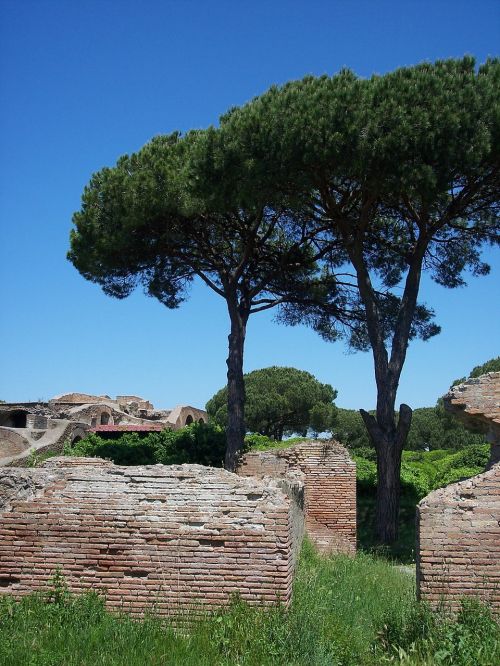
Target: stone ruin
(31,427)
(476,403)
(458,527)
(160,538)
(174,538)
(329,489)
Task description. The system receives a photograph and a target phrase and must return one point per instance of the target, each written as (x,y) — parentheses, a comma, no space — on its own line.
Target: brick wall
(329,488)
(476,403)
(459,541)
(162,537)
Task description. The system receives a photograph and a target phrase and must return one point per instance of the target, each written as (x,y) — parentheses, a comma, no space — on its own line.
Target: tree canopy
(431,428)
(401,171)
(280,401)
(330,196)
(183,208)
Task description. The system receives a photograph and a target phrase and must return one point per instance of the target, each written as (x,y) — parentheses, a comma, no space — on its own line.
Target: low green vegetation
(493,365)
(345,612)
(199,443)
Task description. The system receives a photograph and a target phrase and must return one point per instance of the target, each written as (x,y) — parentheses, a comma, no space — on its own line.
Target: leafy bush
(421,472)
(259,442)
(366,473)
(199,443)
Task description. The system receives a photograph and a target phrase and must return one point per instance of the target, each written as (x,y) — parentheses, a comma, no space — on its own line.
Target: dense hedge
(197,443)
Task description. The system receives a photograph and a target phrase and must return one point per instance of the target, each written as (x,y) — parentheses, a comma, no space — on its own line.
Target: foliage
(421,472)
(183,208)
(37,458)
(199,443)
(280,401)
(345,612)
(493,365)
(400,167)
(399,174)
(256,442)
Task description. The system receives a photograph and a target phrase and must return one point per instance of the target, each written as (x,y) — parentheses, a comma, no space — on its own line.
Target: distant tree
(405,169)
(349,429)
(280,401)
(493,365)
(434,428)
(185,208)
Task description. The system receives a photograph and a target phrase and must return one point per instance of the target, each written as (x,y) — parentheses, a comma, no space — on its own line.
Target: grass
(345,612)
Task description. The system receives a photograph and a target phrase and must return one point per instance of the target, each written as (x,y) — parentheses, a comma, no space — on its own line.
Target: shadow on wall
(17,418)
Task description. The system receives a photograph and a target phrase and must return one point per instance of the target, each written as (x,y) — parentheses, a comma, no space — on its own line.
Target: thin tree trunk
(235,389)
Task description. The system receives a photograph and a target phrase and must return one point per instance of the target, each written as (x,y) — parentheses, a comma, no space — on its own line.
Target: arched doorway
(105,418)
(189,419)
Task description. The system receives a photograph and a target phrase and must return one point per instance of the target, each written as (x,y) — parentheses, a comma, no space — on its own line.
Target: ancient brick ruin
(329,488)
(33,427)
(459,526)
(165,538)
(476,403)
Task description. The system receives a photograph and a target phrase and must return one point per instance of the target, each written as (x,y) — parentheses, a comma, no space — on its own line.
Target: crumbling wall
(329,488)
(476,403)
(459,542)
(12,443)
(156,537)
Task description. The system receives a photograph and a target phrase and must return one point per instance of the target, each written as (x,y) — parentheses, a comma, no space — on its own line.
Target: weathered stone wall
(476,403)
(12,443)
(459,541)
(329,488)
(167,538)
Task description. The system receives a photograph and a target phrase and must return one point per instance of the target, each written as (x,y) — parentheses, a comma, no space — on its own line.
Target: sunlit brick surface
(166,538)
(329,488)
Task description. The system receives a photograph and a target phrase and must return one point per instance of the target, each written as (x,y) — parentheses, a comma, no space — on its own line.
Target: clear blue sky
(83,82)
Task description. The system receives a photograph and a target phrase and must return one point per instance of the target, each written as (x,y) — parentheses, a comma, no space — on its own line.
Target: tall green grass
(345,612)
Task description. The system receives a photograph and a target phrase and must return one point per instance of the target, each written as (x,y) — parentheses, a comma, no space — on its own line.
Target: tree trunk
(388,439)
(235,389)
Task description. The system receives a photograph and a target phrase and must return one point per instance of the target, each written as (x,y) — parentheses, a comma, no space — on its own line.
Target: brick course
(161,537)
(459,542)
(329,488)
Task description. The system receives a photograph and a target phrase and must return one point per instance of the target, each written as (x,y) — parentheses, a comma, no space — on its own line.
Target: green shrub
(199,443)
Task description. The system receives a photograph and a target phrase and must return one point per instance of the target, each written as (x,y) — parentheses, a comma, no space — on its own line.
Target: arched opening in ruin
(201,421)
(17,418)
(105,418)
(76,439)
(189,419)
